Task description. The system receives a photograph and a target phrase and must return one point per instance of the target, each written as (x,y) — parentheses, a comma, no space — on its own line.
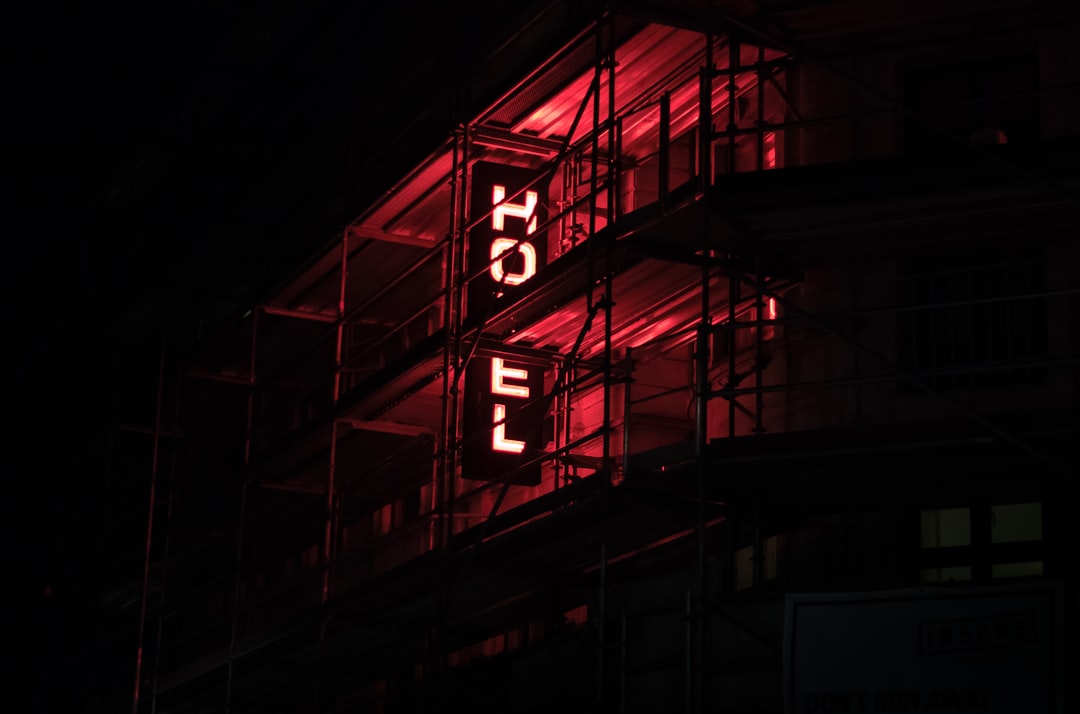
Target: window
(956,573)
(382,520)
(986,100)
(743,339)
(745,562)
(394,515)
(946,527)
(986,542)
(1016,523)
(970,321)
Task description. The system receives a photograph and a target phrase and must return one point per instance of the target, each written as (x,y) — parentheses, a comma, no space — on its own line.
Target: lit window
(1017,570)
(956,573)
(1016,523)
(946,527)
(744,568)
(1005,542)
(744,562)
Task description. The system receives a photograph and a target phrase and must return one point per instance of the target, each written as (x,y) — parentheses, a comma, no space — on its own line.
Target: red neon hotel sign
(505,249)
(504,425)
(504,415)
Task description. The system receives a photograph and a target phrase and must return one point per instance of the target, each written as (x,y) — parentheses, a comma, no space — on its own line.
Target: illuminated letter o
(500,246)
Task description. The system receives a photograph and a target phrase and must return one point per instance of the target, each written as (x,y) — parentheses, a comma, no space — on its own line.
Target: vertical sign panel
(509,212)
(504,416)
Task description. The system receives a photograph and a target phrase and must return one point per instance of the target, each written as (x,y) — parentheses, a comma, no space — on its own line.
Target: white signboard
(923,651)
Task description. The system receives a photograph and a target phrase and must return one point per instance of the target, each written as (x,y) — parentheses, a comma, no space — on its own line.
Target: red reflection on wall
(769,142)
(769,331)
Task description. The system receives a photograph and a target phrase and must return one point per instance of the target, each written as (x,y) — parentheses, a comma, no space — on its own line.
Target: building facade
(723,310)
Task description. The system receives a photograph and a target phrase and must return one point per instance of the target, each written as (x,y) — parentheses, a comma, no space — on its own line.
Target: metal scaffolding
(737,301)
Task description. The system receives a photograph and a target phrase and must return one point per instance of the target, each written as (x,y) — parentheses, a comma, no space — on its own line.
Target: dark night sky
(160,158)
(168,158)
(197,150)
(91,92)
(148,149)
(138,137)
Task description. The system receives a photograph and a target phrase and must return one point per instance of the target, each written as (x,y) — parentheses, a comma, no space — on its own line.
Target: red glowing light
(770,150)
(499,442)
(501,245)
(772,308)
(499,372)
(526,211)
(502,415)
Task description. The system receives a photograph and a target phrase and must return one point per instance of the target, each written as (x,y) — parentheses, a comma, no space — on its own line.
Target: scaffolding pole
(454,361)
(594,184)
(702,359)
(330,525)
(245,487)
(159,635)
(448,420)
(154,456)
(459,297)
